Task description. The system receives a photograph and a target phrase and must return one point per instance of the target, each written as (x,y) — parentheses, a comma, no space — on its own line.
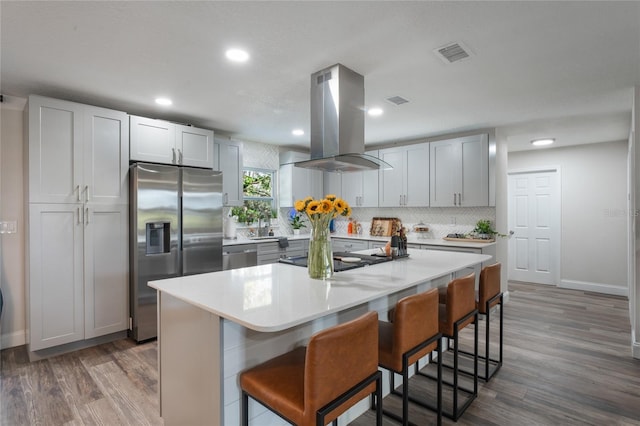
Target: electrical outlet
(10,227)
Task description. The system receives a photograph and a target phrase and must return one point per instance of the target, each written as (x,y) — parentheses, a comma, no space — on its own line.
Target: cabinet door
(391,189)
(195,146)
(55,289)
(230,165)
(474,154)
(333,184)
(106,156)
(444,173)
(55,150)
(459,172)
(152,140)
(416,178)
(352,188)
(370,185)
(106,271)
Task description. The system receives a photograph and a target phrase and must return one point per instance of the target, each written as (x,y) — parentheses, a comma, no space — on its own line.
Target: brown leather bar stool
(316,384)
(489,295)
(458,310)
(412,335)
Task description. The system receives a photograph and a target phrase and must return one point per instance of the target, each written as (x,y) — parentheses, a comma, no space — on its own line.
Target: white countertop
(278,296)
(411,239)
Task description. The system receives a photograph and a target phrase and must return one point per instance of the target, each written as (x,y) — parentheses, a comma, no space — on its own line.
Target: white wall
(13,323)
(594,212)
(634,302)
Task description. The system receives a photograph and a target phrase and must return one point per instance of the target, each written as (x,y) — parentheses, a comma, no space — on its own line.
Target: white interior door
(534,217)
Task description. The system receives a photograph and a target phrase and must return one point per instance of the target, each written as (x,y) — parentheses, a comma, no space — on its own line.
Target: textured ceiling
(559,69)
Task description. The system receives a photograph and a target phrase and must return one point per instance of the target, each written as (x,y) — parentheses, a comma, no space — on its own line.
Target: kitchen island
(213,326)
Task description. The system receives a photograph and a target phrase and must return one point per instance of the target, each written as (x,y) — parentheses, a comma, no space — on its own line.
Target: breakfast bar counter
(213,326)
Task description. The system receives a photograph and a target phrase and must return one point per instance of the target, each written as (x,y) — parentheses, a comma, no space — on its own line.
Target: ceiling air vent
(453,52)
(397,100)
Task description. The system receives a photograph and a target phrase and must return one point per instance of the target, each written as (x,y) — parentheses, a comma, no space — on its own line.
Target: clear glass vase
(320,258)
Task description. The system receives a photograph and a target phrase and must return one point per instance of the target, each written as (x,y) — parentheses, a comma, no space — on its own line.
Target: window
(259,200)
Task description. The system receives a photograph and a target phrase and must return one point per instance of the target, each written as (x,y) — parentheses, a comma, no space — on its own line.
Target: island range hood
(337,123)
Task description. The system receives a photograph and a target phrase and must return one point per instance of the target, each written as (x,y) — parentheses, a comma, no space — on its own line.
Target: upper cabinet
(407,184)
(360,189)
(229,161)
(77,153)
(163,142)
(459,171)
(296,183)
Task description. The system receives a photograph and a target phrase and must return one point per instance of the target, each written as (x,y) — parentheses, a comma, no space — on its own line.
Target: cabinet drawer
(348,245)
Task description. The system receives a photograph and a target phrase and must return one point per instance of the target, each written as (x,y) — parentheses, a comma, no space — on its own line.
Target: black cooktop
(338,265)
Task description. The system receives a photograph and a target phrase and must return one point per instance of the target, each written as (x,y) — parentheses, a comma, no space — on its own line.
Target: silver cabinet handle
(180,156)
(80,220)
(459,199)
(401,200)
(454,199)
(173,155)
(86,190)
(78,191)
(87,218)
(225,198)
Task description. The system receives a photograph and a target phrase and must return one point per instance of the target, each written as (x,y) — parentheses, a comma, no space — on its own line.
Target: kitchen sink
(264,238)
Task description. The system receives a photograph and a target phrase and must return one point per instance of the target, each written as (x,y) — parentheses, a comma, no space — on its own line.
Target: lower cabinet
(348,245)
(271,252)
(490,250)
(77,273)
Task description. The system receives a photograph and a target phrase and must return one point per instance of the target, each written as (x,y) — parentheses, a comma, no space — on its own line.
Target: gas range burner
(338,264)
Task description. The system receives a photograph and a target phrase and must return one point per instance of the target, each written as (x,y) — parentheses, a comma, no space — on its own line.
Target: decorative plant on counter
(484,230)
(320,213)
(296,220)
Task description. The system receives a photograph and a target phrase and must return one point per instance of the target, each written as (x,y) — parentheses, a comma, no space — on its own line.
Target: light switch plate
(9,227)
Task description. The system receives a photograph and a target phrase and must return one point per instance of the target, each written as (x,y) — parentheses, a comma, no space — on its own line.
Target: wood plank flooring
(567,360)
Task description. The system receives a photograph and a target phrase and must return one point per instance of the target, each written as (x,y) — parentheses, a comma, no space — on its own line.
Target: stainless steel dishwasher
(239,256)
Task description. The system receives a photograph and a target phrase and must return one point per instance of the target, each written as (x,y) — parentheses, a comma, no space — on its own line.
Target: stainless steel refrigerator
(176,230)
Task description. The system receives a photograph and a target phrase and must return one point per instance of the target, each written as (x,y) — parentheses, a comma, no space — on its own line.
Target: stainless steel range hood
(337,123)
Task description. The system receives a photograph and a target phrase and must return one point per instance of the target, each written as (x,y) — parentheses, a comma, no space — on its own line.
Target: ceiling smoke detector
(453,52)
(397,100)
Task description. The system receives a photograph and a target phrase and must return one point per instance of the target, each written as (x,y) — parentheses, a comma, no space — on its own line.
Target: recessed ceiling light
(542,142)
(237,55)
(297,132)
(374,112)
(164,101)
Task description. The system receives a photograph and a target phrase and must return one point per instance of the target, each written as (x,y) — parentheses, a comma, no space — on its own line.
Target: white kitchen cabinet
(296,183)
(348,245)
(459,172)
(160,141)
(78,272)
(195,146)
(332,183)
(271,252)
(55,275)
(407,184)
(78,160)
(229,155)
(360,189)
(106,270)
(77,153)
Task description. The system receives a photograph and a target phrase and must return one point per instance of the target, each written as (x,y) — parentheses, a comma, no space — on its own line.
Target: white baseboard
(505,296)
(635,350)
(595,287)
(10,340)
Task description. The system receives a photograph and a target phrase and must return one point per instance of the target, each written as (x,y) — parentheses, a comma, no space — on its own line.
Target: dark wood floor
(567,361)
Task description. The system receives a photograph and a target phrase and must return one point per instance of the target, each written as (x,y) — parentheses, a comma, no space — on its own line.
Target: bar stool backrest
(416,320)
(461,299)
(340,357)
(489,286)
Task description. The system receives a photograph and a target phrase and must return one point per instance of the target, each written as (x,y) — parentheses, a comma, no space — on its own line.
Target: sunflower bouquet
(320,213)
